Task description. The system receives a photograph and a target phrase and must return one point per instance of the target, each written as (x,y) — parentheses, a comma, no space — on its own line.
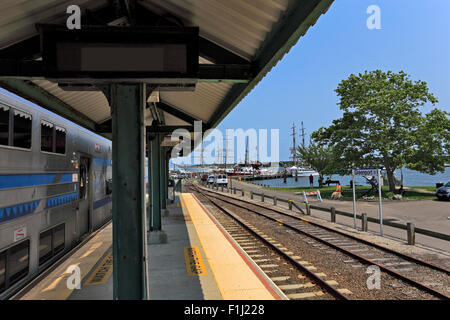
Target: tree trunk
(391,181)
(389,172)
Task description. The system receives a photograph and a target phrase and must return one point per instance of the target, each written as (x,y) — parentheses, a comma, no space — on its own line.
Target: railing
(409,227)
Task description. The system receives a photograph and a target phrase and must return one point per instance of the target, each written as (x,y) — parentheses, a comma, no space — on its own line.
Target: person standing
(311,180)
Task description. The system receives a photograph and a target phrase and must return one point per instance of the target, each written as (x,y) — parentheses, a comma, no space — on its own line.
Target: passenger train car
(55,188)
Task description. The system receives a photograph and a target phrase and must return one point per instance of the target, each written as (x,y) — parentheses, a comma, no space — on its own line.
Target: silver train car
(55,189)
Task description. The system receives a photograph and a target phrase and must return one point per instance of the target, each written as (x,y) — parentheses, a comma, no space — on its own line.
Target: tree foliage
(319,157)
(382,125)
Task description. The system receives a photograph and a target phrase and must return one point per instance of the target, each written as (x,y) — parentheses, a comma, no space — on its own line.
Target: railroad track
(403,276)
(294,277)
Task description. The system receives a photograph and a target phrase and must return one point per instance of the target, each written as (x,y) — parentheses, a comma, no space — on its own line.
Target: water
(410,178)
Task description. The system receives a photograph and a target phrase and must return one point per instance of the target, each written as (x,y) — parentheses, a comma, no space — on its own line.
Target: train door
(84,196)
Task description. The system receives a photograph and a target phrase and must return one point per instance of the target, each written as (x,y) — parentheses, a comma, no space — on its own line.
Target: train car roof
(253,35)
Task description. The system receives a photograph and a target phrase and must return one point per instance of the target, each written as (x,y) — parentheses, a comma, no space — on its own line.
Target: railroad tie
(297,296)
(296,286)
(280,279)
(345,291)
(268,266)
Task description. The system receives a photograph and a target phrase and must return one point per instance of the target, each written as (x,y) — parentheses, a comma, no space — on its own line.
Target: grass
(347,192)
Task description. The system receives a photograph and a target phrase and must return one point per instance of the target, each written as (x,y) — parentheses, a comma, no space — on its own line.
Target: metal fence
(409,227)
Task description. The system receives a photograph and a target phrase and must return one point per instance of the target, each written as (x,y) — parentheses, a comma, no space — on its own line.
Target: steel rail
(322,283)
(403,255)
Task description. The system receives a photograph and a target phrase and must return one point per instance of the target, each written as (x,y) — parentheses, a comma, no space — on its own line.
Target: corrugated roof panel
(91,103)
(249,28)
(18,17)
(200,103)
(240,26)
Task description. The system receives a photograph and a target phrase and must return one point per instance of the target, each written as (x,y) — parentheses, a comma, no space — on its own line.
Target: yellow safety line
(233,276)
(102,272)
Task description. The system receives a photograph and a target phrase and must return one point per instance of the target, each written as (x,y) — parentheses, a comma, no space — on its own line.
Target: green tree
(382,125)
(319,157)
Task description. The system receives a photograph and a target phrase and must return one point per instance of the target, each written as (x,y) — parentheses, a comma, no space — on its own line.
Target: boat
(302,172)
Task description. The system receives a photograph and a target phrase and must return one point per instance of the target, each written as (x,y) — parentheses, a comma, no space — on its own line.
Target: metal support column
(128,154)
(155,188)
(166,189)
(163,178)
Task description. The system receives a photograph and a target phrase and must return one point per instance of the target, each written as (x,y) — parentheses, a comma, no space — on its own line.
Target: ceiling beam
(27,49)
(236,73)
(180,114)
(217,54)
(167,129)
(31,69)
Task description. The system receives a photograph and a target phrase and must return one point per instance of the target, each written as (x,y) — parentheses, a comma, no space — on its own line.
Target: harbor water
(410,178)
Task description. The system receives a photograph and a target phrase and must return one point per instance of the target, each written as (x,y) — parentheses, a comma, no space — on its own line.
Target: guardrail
(409,227)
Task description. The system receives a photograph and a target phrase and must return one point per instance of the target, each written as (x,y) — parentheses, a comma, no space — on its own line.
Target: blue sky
(413,38)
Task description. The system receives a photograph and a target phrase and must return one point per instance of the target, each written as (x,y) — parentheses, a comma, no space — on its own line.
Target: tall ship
(299,169)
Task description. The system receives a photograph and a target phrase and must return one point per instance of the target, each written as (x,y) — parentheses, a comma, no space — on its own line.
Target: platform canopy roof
(240,41)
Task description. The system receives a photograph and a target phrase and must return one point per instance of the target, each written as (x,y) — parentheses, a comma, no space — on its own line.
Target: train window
(22,130)
(58,238)
(4,125)
(46,136)
(51,242)
(18,258)
(45,246)
(2,271)
(60,140)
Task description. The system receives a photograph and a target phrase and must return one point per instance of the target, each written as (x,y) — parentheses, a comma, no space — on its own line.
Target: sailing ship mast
(294,148)
(246,152)
(303,136)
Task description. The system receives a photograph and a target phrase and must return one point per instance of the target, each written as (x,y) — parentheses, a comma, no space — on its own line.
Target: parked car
(443,192)
(221,179)
(204,177)
(211,180)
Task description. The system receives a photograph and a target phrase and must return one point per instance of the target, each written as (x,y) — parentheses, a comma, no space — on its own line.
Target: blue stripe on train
(61,200)
(29,180)
(23,209)
(100,203)
(103,162)
(18,210)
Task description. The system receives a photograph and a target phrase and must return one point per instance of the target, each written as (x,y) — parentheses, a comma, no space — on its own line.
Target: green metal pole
(155,189)
(166,188)
(149,181)
(127,105)
(162,181)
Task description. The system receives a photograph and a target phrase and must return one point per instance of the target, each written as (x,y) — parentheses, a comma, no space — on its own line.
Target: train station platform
(197,260)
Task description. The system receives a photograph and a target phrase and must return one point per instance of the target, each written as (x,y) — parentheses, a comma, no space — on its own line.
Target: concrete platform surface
(197,261)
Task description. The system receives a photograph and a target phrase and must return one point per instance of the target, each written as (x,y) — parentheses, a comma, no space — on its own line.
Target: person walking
(311,180)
